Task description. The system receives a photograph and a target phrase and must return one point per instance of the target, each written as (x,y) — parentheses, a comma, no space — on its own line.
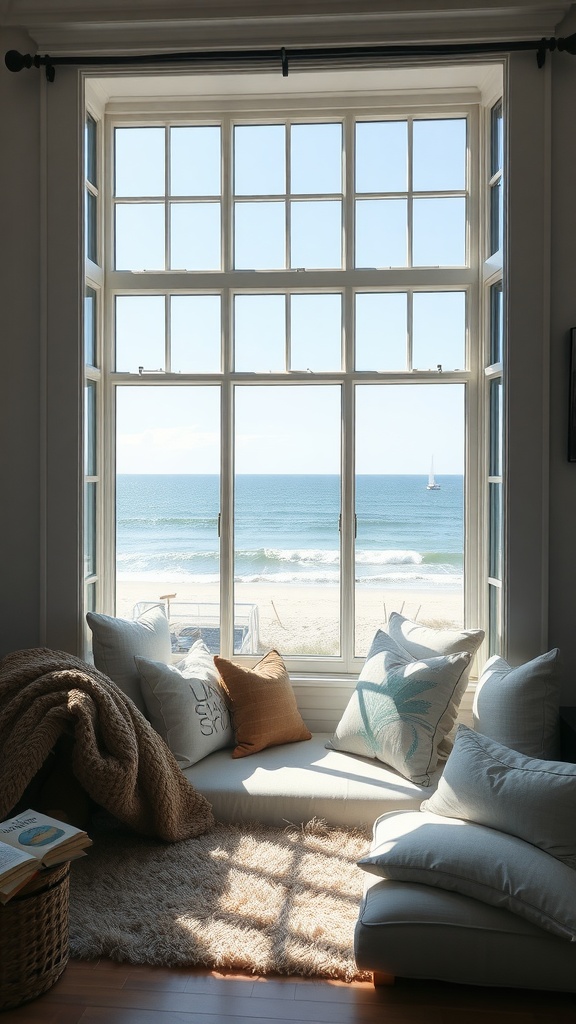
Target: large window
(292,357)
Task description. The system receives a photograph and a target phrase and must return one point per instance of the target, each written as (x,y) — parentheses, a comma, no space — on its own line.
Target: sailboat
(432,485)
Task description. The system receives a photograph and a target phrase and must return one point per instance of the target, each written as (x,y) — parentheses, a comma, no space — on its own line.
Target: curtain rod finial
(15,61)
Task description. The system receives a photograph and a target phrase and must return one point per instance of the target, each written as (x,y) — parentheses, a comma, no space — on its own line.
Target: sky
(277,428)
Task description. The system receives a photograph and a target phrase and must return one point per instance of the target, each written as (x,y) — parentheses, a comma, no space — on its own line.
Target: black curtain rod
(303,56)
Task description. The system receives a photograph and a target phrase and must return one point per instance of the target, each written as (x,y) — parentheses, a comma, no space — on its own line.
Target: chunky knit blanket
(117,757)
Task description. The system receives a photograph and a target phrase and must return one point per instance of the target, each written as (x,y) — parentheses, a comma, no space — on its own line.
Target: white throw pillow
(417,846)
(186,704)
(425,642)
(401,708)
(519,707)
(115,642)
(492,785)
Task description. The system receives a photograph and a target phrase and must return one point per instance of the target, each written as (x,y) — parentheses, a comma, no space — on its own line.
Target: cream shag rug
(252,898)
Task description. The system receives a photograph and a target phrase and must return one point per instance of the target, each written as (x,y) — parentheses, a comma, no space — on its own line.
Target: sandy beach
(299,619)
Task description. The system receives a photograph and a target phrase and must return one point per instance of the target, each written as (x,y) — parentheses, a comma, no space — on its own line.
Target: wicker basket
(34,927)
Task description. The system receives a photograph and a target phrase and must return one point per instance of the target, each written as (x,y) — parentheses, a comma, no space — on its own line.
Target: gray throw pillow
(401,708)
(492,785)
(490,866)
(116,642)
(186,704)
(519,707)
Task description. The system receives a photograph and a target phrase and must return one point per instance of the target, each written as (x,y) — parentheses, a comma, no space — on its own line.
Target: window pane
(410,540)
(195,236)
(195,331)
(167,505)
(90,150)
(439,330)
(140,236)
(90,326)
(139,162)
(496,324)
(316,234)
(381,331)
(90,529)
(91,214)
(496,216)
(381,233)
(496,425)
(381,156)
(140,333)
(316,332)
(316,158)
(497,139)
(259,333)
(90,429)
(439,155)
(259,160)
(195,161)
(495,538)
(494,620)
(439,232)
(286,540)
(259,236)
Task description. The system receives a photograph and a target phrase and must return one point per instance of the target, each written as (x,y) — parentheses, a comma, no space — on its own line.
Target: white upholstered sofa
(408,927)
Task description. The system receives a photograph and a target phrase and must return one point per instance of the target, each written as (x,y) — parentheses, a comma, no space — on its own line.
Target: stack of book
(32,841)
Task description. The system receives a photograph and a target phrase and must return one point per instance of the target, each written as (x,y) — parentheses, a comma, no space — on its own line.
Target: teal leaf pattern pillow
(402,708)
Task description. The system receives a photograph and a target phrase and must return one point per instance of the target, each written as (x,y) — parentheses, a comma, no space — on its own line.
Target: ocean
(287,529)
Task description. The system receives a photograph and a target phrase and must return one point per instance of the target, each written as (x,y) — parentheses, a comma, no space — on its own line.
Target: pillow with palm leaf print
(402,708)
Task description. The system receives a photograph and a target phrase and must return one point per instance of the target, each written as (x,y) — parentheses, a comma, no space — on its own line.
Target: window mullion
(410,197)
(347,530)
(226,539)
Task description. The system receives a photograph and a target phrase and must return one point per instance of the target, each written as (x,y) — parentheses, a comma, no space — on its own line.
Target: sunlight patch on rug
(244,897)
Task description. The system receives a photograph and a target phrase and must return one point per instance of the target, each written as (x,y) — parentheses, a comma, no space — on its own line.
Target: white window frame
(321,109)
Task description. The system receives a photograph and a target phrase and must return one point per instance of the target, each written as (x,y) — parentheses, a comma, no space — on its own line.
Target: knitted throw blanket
(117,757)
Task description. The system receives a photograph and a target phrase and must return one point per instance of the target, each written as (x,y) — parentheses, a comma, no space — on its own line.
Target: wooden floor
(108,993)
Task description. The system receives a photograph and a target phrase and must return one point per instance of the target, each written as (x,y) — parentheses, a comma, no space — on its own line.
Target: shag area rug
(251,898)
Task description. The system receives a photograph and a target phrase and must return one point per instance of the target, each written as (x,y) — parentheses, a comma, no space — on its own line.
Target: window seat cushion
(296,782)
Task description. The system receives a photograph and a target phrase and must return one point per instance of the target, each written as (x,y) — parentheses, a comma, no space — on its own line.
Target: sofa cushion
(402,708)
(296,782)
(186,704)
(264,709)
(493,785)
(116,642)
(519,707)
(490,866)
(412,930)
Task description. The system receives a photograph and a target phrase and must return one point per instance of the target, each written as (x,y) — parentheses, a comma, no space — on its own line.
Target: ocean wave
(270,557)
(126,522)
(408,580)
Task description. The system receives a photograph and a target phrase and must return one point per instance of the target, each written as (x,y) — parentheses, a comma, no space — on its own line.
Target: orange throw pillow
(263,704)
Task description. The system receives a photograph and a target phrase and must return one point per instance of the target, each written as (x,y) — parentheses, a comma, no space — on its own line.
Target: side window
(495,343)
(92,363)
